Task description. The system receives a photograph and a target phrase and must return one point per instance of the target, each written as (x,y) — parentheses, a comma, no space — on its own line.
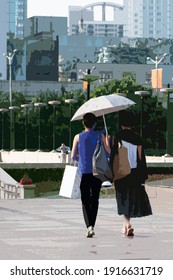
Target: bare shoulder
(76,138)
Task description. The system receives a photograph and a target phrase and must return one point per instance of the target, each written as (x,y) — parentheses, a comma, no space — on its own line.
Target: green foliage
(63,114)
(37,175)
(50,179)
(154,116)
(47,181)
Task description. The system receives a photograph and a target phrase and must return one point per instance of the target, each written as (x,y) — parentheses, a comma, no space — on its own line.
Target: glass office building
(17,16)
(13,15)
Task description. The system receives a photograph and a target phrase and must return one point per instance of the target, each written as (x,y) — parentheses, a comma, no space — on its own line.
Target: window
(105,75)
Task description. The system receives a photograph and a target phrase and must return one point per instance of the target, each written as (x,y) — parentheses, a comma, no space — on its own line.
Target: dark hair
(89,119)
(127,118)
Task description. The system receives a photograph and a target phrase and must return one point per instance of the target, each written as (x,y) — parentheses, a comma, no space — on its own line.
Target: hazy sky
(57,7)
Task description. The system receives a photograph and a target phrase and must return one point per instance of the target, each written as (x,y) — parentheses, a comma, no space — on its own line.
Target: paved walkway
(53,229)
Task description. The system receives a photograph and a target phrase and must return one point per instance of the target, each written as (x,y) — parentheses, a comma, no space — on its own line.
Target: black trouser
(90,190)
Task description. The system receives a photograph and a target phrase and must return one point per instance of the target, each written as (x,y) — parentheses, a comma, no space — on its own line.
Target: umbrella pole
(105,124)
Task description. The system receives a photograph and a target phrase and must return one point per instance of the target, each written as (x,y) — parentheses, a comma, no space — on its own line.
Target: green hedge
(48,181)
(160,170)
(42,175)
(37,175)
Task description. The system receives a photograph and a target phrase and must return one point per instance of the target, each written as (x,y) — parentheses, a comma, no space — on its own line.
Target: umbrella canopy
(103,105)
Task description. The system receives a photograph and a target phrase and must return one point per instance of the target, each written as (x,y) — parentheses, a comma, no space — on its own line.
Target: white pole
(105,124)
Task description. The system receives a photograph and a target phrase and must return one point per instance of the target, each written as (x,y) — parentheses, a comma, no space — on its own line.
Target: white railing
(32,157)
(9,191)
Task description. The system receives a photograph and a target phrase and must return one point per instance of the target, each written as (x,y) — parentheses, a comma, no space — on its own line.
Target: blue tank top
(86,147)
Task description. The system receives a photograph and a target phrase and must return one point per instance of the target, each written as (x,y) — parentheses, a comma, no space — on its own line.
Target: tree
(154,115)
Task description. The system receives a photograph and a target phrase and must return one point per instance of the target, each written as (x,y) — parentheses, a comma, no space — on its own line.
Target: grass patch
(50,188)
(157,177)
(47,188)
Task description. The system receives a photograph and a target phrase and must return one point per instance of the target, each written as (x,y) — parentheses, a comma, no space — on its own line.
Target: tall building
(16,15)
(148,18)
(12,18)
(20,17)
(3,36)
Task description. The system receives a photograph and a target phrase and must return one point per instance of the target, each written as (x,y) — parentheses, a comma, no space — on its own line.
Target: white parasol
(103,105)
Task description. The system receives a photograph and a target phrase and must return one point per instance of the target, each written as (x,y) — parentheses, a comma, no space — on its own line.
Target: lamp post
(169,131)
(88,78)
(157,62)
(142,95)
(39,105)
(3,110)
(54,103)
(12,111)
(10,57)
(70,102)
(26,107)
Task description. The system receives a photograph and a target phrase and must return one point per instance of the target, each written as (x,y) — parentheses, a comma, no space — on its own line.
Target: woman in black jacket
(132,199)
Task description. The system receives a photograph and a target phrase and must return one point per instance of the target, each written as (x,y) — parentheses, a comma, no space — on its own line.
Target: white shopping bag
(70,185)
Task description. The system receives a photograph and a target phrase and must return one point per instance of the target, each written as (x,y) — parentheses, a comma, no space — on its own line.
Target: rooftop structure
(84,20)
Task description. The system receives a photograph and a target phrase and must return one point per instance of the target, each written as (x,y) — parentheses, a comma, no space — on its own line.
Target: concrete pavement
(53,229)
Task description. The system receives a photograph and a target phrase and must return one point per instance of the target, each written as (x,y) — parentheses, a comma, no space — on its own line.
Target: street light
(13,109)
(70,102)
(169,131)
(54,103)
(39,105)
(156,62)
(10,57)
(142,95)
(88,71)
(3,110)
(26,107)
(88,78)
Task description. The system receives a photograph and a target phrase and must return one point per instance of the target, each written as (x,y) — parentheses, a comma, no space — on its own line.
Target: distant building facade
(133,19)
(51,25)
(47,52)
(41,58)
(13,16)
(17,14)
(148,18)
(82,20)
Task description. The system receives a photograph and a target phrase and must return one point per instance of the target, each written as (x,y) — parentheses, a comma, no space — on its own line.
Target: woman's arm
(140,152)
(74,148)
(106,142)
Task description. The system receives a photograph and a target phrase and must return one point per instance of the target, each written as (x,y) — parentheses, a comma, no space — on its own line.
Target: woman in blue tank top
(83,148)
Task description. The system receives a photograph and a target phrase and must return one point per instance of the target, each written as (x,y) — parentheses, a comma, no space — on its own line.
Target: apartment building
(84,20)
(148,18)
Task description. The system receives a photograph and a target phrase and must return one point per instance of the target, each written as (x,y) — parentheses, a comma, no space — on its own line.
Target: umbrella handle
(105,124)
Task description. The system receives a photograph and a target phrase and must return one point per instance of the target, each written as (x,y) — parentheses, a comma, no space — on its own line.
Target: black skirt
(131,196)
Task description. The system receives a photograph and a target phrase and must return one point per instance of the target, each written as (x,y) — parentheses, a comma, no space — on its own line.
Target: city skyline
(49,8)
